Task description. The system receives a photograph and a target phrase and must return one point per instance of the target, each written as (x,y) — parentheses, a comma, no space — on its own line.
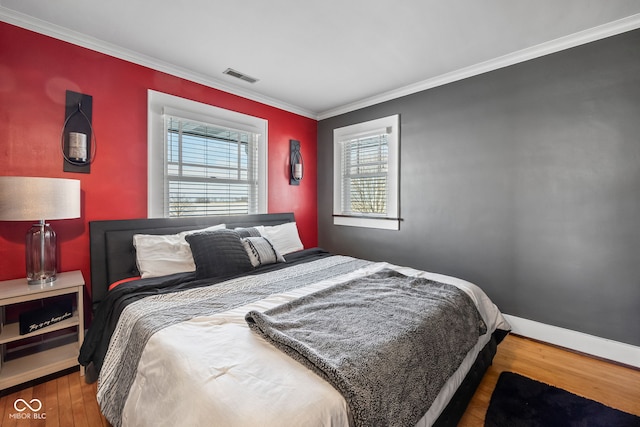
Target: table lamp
(39,199)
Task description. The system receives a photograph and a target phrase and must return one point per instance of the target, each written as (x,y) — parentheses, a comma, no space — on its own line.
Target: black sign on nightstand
(33,320)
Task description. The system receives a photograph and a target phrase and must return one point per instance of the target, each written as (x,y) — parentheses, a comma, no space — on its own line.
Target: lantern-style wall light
(295,159)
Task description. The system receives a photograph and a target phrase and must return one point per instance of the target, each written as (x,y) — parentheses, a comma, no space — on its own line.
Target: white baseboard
(589,344)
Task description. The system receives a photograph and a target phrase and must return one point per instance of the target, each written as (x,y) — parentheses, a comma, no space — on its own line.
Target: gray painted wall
(525,181)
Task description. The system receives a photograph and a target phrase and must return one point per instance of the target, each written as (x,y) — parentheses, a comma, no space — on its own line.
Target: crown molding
(46,28)
(606,30)
(596,33)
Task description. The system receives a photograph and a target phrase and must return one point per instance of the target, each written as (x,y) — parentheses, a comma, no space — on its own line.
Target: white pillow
(160,255)
(284,237)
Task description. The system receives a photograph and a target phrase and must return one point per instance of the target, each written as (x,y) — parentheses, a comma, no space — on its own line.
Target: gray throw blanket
(387,342)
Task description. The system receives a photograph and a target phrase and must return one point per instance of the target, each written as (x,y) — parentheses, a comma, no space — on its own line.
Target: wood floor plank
(77,402)
(70,402)
(8,421)
(17,417)
(39,418)
(94,416)
(3,411)
(51,399)
(65,414)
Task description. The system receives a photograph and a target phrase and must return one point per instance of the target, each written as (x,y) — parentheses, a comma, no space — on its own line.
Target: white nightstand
(33,366)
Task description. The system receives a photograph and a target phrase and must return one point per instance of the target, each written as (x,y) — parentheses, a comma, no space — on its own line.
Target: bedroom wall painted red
(36,71)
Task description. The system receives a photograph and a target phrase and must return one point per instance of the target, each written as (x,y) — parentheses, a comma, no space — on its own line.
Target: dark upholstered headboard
(113,256)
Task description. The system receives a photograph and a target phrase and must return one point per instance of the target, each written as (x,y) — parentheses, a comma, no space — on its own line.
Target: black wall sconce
(295,160)
(78,141)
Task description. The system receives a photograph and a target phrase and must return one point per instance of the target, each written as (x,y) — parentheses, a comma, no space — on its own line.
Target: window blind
(209,169)
(364,175)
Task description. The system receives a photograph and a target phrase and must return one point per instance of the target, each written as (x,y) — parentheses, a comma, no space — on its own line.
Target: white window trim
(158,105)
(392,125)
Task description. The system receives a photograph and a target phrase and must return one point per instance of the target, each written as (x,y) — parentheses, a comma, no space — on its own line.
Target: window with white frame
(204,160)
(366,174)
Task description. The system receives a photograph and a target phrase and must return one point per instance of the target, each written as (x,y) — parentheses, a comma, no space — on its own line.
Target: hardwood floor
(68,402)
(614,385)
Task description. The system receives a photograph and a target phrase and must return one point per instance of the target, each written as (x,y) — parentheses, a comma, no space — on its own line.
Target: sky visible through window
(210,170)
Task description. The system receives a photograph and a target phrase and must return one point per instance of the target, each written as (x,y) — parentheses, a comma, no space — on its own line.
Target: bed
(226,345)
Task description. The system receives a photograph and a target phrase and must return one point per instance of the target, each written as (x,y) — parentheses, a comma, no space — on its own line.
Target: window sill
(357,221)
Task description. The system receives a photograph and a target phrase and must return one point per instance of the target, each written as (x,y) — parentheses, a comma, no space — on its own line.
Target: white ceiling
(326,57)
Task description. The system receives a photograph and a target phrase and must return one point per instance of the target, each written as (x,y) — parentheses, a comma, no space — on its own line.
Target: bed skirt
(450,416)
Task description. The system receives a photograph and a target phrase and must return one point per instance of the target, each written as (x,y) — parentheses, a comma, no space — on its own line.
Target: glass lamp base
(41,281)
(41,254)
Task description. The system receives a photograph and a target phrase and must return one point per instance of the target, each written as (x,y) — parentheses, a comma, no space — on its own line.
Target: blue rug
(519,401)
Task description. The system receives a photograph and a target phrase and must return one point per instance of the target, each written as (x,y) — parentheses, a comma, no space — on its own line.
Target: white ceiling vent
(239,75)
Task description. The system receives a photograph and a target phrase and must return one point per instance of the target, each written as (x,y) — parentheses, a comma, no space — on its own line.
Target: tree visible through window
(364,184)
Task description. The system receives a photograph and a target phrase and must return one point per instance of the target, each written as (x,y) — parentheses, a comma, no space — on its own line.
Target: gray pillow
(218,253)
(248,232)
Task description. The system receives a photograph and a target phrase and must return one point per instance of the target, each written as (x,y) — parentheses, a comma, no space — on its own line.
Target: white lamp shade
(30,198)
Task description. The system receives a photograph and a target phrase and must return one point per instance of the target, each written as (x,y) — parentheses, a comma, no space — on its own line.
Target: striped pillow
(261,251)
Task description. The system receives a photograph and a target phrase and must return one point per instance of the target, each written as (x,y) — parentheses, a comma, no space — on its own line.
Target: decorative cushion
(284,237)
(250,231)
(261,251)
(161,255)
(218,253)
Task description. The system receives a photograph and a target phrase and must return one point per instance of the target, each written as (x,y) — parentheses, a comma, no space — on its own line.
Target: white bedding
(213,371)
